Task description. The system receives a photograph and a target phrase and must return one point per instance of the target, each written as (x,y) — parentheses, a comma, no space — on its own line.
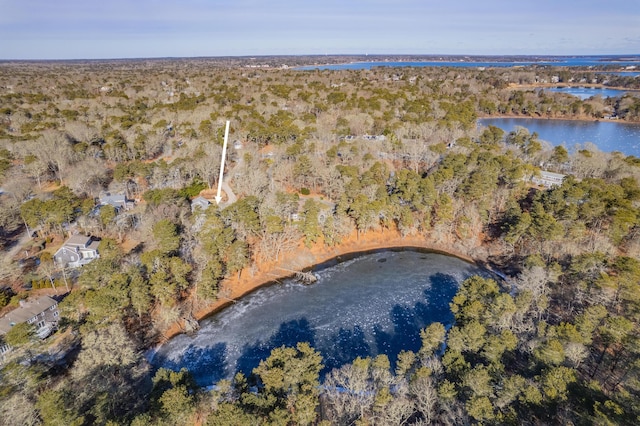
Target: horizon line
(631,56)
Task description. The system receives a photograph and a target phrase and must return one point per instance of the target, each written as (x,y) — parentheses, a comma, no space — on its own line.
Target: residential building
(77,251)
(200,203)
(118,201)
(548,179)
(42,313)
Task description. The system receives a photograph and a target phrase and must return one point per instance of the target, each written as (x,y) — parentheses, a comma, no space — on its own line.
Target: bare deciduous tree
(19,409)
(425,396)
(18,186)
(87,177)
(208,165)
(38,170)
(54,149)
(251,181)
(535,279)
(273,245)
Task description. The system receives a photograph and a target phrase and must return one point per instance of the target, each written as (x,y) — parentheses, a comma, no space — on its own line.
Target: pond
(608,136)
(586,92)
(375,303)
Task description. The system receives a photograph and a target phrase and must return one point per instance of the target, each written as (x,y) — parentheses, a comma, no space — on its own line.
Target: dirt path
(231,197)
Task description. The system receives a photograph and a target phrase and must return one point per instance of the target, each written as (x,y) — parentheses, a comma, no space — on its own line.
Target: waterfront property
(42,313)
(77,251)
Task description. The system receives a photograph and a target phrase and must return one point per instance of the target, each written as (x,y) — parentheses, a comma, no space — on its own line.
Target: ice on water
(361,307)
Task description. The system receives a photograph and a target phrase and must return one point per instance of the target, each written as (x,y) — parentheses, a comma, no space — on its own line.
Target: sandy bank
(303,257)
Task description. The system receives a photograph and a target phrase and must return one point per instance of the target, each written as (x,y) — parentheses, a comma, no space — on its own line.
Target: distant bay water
(608,136)
(582,61)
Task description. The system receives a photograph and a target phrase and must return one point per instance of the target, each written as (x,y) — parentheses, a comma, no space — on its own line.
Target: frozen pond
(376,303)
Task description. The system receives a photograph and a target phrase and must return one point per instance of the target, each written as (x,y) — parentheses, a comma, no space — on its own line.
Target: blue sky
(74,29)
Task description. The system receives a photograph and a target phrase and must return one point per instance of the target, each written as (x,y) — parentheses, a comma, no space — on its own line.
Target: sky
(90,29)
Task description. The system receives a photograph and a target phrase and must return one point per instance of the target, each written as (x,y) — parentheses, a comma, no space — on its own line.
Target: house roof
(551,175)
(115,200)
(71,250)
(78,240)
(200,200)
(28,310)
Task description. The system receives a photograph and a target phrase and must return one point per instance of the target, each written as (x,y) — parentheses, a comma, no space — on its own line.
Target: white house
(77,251)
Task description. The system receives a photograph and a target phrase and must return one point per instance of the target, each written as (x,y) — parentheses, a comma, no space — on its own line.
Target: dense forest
(315,158)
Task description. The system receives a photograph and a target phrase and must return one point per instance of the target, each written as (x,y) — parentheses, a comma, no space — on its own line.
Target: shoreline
(571,85)
(308,258)
(586,119)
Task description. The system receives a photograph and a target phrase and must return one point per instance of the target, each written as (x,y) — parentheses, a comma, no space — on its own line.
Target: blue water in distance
(608,136)
(622,73)
(559,61)
(373,304)
(586,92)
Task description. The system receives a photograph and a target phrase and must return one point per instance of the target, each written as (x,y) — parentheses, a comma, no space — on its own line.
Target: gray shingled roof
(28,310)
(78,240)
(116,200)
